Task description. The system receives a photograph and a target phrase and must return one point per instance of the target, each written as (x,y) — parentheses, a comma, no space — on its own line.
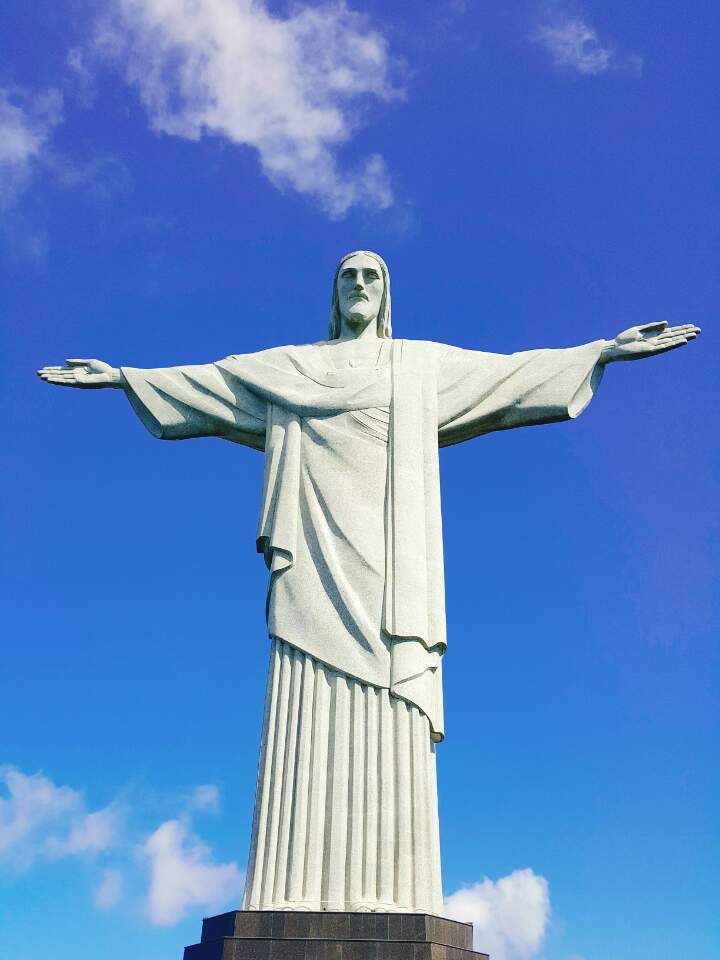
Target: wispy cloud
(510,915)
(91,833)
(39,820)
(165,869)
(27,122)
(574,44)
(294,87)
(206,798)
(98,178)
(109,891)
(183,874)
(32,166)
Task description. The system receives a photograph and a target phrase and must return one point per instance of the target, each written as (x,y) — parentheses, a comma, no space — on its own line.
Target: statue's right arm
(86,374)
(177,403)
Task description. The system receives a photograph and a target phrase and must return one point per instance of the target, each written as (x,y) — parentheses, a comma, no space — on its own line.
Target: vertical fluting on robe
(346,805)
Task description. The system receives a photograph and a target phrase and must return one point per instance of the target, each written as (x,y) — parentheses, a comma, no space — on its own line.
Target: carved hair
(384,327)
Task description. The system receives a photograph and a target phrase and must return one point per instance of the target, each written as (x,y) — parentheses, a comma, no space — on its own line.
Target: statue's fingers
(665,345)
(688,331)
(78,363)
(657,345)
(51,369)
(682,328)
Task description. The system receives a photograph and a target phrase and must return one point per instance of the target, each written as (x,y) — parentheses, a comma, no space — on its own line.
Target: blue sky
(177,182)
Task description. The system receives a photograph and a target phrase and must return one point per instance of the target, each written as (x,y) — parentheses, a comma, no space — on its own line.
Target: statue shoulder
(274,355)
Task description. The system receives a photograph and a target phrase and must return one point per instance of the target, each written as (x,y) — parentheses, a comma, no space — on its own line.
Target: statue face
(360,288)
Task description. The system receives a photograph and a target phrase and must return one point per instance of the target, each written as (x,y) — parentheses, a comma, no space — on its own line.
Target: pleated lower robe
(346,805)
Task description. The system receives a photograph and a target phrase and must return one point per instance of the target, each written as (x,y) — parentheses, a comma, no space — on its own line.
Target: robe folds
(369,597)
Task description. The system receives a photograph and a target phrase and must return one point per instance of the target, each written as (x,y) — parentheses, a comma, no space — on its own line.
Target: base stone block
(300,935)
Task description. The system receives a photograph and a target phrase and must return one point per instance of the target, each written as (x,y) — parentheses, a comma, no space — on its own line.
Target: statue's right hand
(88,374)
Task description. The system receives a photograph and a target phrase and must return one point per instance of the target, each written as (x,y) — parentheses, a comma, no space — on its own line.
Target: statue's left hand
(647,341)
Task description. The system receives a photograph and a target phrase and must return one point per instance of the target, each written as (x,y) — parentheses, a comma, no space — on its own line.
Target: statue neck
(349,332)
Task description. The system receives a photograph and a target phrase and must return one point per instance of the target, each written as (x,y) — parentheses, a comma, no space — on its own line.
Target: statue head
(360,294)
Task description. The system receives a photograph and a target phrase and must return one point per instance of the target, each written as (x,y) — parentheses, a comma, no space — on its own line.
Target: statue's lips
(358,297)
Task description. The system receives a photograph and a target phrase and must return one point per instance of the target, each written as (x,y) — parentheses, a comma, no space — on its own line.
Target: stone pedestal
(280,935)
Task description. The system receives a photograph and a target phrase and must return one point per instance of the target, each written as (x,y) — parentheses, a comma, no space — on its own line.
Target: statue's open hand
(88,374)
(648,340)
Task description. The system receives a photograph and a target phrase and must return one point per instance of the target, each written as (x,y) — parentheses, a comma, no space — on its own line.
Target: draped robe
(350,529)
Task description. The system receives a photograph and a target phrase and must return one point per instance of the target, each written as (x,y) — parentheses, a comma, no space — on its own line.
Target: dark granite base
(300,935)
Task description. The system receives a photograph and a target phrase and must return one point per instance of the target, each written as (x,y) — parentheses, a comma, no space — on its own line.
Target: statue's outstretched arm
(176,403)
(648,340)
(87,374)
(479,392)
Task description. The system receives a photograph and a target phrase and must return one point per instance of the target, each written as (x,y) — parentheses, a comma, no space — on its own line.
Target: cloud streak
(574,44)
(509,915)
(205,798)
(294,88)
(31,167)
(26,125)
(167,869)
(109,891)
(39,820)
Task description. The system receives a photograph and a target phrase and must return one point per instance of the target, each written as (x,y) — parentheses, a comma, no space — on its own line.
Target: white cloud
(30,165)
(109,891)
(295,88)
(90,833)
(99,178)
(573,43)
(205,798)
(183,875)
(80,78)
(33,803)
(510,915)
(26,125)
(41,820)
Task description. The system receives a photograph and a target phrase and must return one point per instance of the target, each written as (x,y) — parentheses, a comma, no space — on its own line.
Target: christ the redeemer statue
(346,805)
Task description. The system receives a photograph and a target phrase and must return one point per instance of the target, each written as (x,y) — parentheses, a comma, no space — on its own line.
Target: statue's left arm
(482,392)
